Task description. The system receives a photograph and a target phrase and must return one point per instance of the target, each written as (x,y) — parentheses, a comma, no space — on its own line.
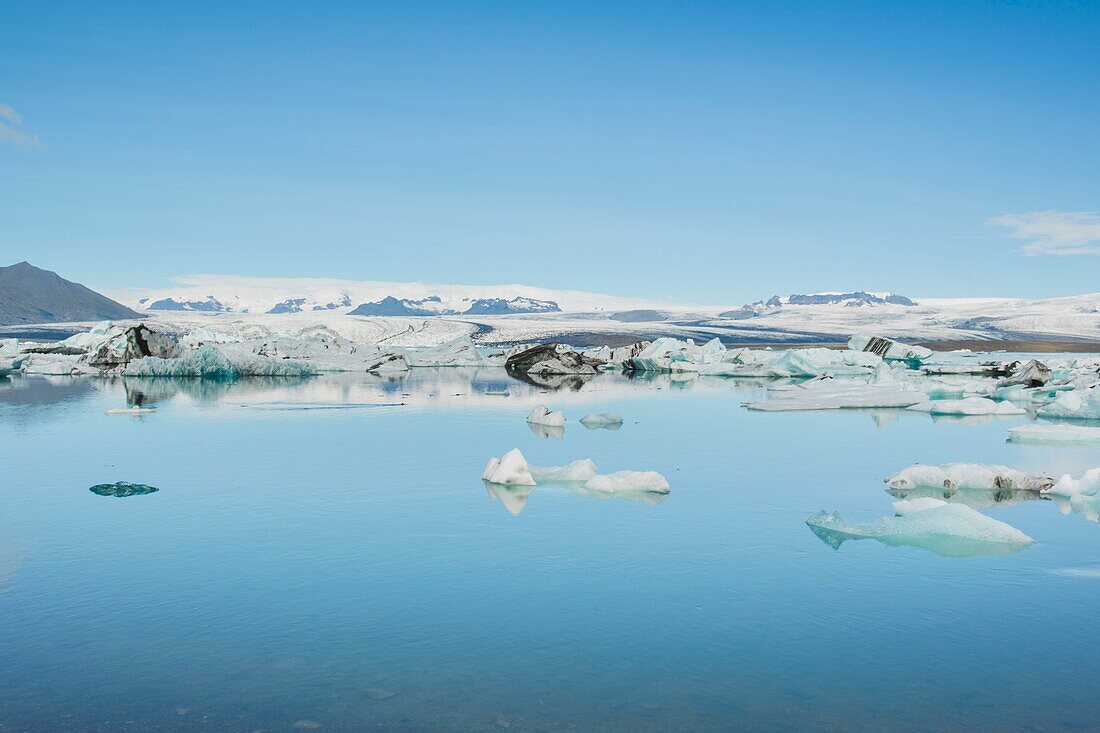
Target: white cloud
(11,130)
(1054,232)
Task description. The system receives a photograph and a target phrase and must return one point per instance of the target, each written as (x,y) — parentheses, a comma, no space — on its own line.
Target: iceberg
(511,469)
(211,362)
(596,420)
(1087,485)
(968,406)
(830,394)
(1075,405)
(953,530)
(1054,434)
(550,359)
(459,352)
(542,416)
(1032,374)
(628,481)
(888,348)
(966,476)
(577,471)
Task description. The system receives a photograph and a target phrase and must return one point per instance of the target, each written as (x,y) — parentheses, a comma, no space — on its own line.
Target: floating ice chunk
(131,411)
(966,476)
(1032,374)
(954,530)
(888,348)
(459,352)
(542,416)
(1087,485)
(602,420)
(211,362)
(835,394)
(628,481)
(1075,405)
(389,364)
(968,406)
(509,469)
(909,506)
(581,470)
(1054,434)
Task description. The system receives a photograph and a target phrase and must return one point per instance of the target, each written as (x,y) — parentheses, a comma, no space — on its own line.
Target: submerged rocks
(123,489)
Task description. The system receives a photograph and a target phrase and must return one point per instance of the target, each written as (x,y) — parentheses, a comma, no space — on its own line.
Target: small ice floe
(1054,434)
(954,530)
(1075,405)
(908,506)
(135,410)
(577,471)
(888,348)
(542,416)
(968,406)
(497,393)
(1087,485)
(122,489)
(510,469)
(628,481)
(836,395)
(604,420)
(967,476)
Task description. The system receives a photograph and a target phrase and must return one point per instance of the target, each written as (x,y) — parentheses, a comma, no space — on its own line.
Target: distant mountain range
(856,299)
(31,295)
(431,305)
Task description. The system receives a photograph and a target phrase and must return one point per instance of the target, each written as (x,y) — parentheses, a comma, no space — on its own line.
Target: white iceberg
(1054,434)
(211,362)
(888,348)
(966,476)
(954,530)
(459,352)
(1075,405)
(835,394)
(510,469)
(542,416)
(968,406)
(1087,485)
(577,471)
(628,481)
(602,420)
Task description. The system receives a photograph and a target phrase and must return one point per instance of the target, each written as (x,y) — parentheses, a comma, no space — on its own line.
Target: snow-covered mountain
(229,294)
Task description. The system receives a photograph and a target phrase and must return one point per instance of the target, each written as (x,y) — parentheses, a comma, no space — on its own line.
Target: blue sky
(687,151)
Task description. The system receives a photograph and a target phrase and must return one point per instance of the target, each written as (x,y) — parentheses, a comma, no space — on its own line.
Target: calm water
(325,554)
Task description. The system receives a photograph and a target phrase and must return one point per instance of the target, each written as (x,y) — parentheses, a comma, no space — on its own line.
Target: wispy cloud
(11,130)
(1054,232)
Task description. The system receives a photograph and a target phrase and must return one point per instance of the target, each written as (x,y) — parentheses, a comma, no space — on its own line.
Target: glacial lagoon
(322,554)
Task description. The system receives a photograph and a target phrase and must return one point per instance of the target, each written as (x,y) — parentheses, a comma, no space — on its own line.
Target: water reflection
(514,498)
(973,498)
(547,431)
